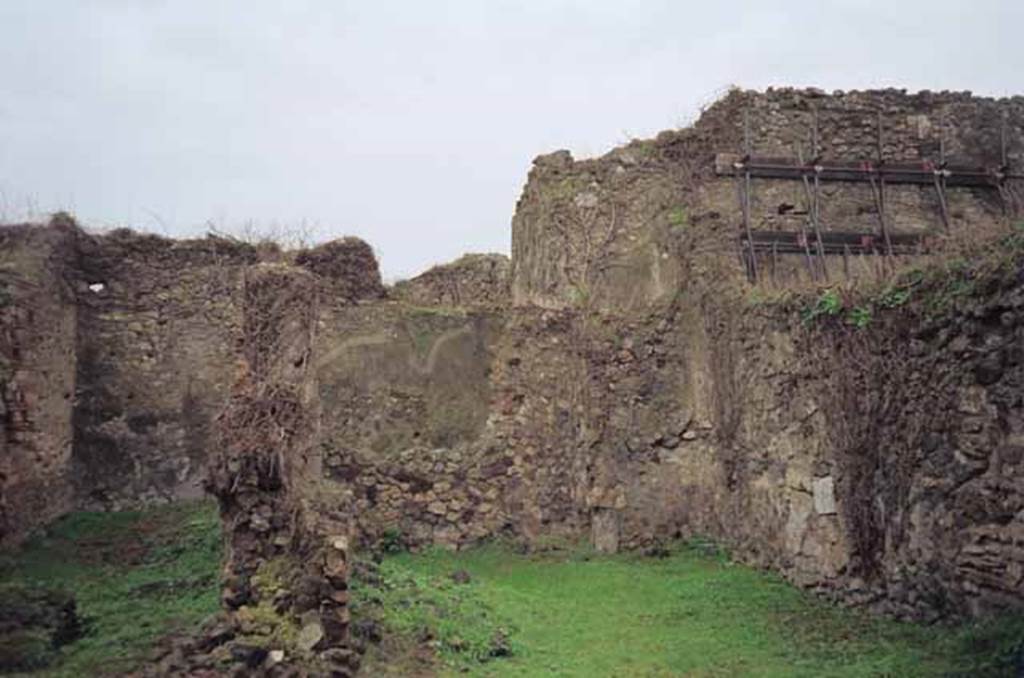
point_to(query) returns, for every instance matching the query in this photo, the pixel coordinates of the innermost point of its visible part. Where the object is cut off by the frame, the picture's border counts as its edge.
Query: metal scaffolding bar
(843, 243)
(812, 212)
(747, 194)
(920, 173)
(940, 183)
(881, 191)
(877, 173)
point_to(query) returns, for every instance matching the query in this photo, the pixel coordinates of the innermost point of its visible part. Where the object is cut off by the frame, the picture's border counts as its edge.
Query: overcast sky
(413, 124)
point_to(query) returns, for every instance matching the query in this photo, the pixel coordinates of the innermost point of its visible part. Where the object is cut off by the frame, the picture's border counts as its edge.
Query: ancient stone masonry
(38, 325)
(121, 351)
(619, 230)
(286, 572)
(154, 350)
(619, 377)
(446, 426)
(470, 281)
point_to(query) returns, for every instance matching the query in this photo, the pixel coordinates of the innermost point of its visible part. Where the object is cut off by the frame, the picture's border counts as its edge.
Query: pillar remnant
(286, 567)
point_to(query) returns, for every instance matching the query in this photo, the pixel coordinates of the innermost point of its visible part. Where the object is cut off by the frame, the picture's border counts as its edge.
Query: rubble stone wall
(446, 426)
(38, 326)
(155, 360)
(286, 570)
(472, 280)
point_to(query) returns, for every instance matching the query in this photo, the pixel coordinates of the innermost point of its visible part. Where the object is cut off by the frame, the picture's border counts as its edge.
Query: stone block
(824, 495)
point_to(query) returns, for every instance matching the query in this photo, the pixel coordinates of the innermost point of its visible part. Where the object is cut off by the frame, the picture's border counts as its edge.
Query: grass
(136, 576)
(575, 614)
(565, 612)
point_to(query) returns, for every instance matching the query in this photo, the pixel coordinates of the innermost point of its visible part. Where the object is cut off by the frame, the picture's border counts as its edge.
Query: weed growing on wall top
(828, 304)
(859, 317)
(678, 219)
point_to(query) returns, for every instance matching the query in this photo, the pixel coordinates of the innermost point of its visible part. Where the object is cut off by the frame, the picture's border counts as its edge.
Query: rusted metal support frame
(836, 242)
(940, 191)
(808, 262)
(881, 193)
(895, 173)
(1005, 194)
(940, 184)
(813, 214)
(878, 195)
(747, 194)
(743, 245)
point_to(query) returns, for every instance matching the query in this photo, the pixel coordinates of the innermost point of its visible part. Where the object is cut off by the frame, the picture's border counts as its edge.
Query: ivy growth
(859, 316)
(828, 304)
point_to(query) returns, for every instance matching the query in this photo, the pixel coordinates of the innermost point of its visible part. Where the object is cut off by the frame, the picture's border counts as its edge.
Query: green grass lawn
(565, 612)
(571, 613)
(135, 577)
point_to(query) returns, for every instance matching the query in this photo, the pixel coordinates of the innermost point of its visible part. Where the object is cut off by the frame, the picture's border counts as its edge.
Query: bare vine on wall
(865, 390)
(265, 416)
(587, 258)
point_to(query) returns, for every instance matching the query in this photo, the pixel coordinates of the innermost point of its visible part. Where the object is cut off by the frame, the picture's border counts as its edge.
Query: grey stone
(311, 634)
(824, 495)
(670, 442)
(605, 526)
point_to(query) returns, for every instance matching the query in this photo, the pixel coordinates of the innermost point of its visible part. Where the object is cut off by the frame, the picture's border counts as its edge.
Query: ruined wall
(447, 426)
(38, 325)
(878, 465)
(626, 229)
(155, 360)
(119, 351)
(286, 569)
(708, 412)
(472, 280)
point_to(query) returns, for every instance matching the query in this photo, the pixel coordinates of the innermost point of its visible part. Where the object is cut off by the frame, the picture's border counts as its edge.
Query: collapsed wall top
(470, 280)
(347, 266)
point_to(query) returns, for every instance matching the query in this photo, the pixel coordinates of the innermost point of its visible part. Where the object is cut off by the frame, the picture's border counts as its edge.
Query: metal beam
(842, 243)
(920, 173)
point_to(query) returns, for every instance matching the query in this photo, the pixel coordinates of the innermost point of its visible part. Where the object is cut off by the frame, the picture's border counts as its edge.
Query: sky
(413, 124)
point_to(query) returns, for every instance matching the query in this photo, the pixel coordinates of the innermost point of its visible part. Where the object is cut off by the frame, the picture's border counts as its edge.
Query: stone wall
(286, 571)
(120, 351)
(878, 465)
(626, 229)
(157, 321)
(708, 412)
(448, 426)
(472, 280)
(38, 327)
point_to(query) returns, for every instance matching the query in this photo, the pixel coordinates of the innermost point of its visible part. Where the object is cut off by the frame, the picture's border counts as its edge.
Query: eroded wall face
(443, 426)
(879, 466)
(721, 418)
(155, 361)
(37, 377)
